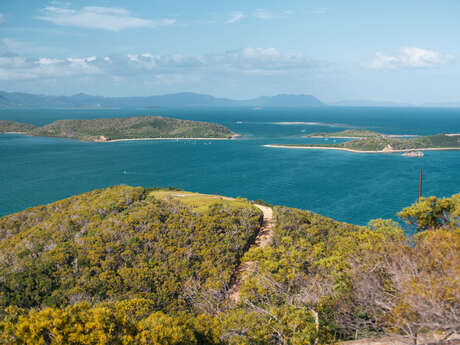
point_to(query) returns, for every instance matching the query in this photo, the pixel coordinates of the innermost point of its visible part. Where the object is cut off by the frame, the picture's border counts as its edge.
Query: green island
(133, 265)
(372, 142)
(125, 128)
(348, 133)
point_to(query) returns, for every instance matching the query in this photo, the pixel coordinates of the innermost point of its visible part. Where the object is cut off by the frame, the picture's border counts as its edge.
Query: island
(7, 126)
(365, 141)
(125, 128)
(346, 134)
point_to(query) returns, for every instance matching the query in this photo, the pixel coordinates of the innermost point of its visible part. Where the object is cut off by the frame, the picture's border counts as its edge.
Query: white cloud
(2, 18)
(95, 17)
(409, 57)
(21, 68)
(263, 14)
(48, 61)
(161, 68)
(235, 17)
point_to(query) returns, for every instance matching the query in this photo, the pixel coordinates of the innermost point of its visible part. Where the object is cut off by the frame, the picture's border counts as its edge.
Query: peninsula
(372, 142)
(126, 128)
(356, 134)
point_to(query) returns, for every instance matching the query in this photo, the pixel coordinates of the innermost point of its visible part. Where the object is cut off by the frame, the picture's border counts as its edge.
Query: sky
(401, 51)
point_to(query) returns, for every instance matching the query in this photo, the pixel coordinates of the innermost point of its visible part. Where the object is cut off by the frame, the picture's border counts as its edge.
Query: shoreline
(21, 133)
(343, 137)
(357, 151)
(234, 136)
(140, 139)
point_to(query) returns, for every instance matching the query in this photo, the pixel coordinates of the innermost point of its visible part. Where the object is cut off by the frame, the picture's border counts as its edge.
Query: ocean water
(346, 186)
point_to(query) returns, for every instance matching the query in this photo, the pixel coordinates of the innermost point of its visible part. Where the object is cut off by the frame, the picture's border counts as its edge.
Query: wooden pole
(420, 186)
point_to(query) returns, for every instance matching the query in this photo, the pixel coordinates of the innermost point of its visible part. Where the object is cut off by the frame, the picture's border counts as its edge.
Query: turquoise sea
(346, 186)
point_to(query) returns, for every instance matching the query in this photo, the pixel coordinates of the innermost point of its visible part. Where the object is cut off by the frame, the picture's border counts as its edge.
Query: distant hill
(7, 126)
(122, 128)
(348, 133)
(184, 99)
(286, 100)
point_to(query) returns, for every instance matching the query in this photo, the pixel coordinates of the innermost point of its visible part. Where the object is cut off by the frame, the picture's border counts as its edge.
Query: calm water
(346, 186)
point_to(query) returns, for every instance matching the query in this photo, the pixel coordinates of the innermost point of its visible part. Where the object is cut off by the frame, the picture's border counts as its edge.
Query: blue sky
(404, 51)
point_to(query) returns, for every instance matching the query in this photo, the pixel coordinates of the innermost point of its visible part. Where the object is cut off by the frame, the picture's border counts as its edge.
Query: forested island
(129, 265)
(372, 142)
(348, 133)
(124, 128)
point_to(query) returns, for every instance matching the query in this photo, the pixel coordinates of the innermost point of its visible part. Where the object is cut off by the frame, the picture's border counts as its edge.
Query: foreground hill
(129, 265)
(183, 99)
(119, 243)
(140, 127)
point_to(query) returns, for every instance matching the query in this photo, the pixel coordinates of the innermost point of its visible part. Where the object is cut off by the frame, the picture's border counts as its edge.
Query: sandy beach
(138, 139)
(343, 137)
(130, 139)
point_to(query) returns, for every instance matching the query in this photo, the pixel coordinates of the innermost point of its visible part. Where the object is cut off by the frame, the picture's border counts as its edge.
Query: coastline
(22, 133)
(344, 137)
(357, 151)
(234, 136)
(140, 139)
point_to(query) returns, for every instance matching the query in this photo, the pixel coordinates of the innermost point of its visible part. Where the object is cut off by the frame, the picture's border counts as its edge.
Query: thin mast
(420, 185)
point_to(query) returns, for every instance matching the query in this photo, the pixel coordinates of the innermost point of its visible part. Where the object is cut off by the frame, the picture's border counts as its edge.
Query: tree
(431, 212)
(412, 289)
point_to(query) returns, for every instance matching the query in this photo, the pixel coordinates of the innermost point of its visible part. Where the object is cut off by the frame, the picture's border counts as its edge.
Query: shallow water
(346, 186)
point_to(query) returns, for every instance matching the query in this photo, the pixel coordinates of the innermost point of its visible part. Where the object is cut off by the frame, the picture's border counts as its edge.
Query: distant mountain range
(185, 99)
(188, 99)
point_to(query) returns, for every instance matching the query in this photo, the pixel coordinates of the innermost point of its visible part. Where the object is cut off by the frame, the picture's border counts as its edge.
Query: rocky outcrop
(388, 148)
(413, 154)
(102, 139)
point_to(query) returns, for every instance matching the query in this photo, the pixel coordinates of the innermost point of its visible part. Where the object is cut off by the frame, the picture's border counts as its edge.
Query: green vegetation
(377, 144)
(133, 321)
(321, 281)
(120, 243)
(121, 128)
(130, 265)
(380, 143)
(201, 203)
(348, 133)
(132, 128)
(7, 126)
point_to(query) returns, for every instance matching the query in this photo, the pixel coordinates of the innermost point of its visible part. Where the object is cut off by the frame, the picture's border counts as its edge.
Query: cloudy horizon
(334, 51)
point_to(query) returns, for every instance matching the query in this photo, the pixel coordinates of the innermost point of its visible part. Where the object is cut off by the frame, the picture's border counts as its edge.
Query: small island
(346, 134)
(125, 128)
(365, 141)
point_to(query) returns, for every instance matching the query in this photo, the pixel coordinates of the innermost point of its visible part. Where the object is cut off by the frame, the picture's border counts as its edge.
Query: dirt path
(263, 239)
